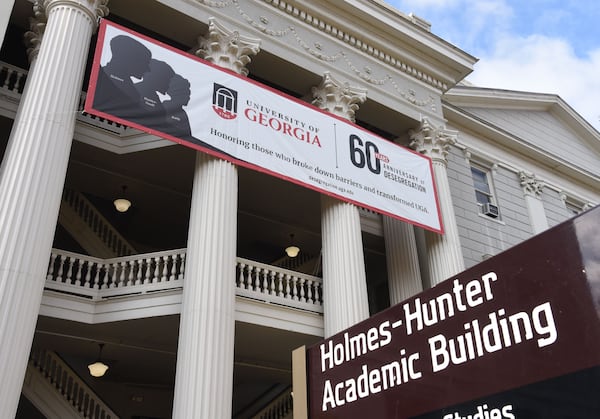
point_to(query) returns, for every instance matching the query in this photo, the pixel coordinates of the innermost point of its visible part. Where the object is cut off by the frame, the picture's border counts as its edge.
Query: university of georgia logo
(224, 101)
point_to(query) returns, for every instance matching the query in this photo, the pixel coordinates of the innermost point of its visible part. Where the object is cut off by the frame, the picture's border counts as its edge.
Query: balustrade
(97, 279)
(101, 227)
(70, 385)
(12, 79)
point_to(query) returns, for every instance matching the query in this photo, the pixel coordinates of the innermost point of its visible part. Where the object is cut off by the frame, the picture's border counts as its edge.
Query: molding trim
(316, 50)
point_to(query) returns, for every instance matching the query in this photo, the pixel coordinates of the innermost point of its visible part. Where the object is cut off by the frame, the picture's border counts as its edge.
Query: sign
(139, 82)
(517, 336)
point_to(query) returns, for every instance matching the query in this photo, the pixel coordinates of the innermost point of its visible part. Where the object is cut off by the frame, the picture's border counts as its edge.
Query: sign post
(516, 336)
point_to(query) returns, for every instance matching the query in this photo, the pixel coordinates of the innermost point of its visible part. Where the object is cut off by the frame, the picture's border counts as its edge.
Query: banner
(139, 82)
(516, 336)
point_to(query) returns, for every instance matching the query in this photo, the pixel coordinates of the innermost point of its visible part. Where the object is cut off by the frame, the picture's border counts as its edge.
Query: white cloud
(508, 38)
(546, 65)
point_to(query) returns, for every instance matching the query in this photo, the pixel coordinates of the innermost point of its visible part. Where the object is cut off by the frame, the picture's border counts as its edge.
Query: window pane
(480, 180)
(482, 198)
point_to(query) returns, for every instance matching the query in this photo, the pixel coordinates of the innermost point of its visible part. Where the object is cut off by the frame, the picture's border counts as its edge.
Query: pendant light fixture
(292, 250)
(98, 368)
(122, 204)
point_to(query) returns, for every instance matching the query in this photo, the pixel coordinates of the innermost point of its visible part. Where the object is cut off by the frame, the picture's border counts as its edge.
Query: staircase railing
(281, 407)
(98, 279)
(70, 385)
(99, 225)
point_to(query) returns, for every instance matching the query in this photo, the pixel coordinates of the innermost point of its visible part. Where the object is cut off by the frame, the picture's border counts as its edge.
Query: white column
(204, 376)
(532, 190)
(402, 259)
(345, 298)
(444, 252)
(5, 11)
(32, 179)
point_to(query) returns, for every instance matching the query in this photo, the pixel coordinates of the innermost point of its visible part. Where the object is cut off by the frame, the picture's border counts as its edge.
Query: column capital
(227, 48)
(37, 25)
(95, 9)
(338, 98)
(531, 185)
(432, 141)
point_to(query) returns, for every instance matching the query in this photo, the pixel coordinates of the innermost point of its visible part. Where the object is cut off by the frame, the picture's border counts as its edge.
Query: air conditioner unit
(490, 210)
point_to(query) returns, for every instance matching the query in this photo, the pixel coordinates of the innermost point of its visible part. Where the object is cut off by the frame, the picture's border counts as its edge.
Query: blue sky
(546, 46)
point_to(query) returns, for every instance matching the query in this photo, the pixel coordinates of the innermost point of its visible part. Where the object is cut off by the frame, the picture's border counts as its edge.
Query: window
(484, 194)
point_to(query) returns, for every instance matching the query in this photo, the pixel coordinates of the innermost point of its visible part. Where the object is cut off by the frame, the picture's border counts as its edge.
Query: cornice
(426, 56)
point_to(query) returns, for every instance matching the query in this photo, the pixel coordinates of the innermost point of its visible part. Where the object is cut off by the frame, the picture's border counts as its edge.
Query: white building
(190, 291)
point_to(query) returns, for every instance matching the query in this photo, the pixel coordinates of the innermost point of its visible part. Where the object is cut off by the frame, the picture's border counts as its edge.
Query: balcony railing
(100, 279)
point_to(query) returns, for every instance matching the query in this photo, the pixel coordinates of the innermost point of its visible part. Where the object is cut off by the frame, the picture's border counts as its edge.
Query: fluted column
(5, 10)
(402, 260)
(204, 376)
(532, 191)
(32, 179)
(444, 253)
(344, 278)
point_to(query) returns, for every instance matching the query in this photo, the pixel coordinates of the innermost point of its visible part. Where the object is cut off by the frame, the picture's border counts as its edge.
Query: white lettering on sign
(482, 336)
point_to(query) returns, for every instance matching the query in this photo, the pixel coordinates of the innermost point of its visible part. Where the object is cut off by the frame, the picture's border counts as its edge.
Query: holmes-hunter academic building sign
(517, 336)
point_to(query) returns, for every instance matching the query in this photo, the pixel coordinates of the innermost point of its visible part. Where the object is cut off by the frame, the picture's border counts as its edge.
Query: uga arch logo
(224, 101)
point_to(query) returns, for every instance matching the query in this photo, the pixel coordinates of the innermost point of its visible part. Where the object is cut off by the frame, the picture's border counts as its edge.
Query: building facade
(189, 296)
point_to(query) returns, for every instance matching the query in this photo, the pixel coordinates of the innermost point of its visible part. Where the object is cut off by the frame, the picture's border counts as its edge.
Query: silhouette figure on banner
(177, 122)
(115, 91)
(140, 103)
(151, 112)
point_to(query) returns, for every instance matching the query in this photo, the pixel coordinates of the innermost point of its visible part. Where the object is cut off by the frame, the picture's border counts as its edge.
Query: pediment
(542, 126)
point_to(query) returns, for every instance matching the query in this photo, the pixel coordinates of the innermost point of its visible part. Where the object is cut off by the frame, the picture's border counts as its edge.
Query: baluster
(272, 290)
(294, 287)
(18, 86)
(156, 276)
(51, 267)
(78, 274)
(240, 272)
(76, 396)
(52, 370)
(140, 271)
(165, 269)
(131, 275)
(309, 285)
(265, 284)
(173, 267)
(69, 277)
(287, 286)
(279, 284)
(5, 84)
(319, 293)
(61, 266)
(244, 278)
(96, 283)
(60, 376)
(87, 405)
(115, 277)
(147, 273)
(69, 389)
(302, 294)
(182, 269)
(255, 278)
(88, 274)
